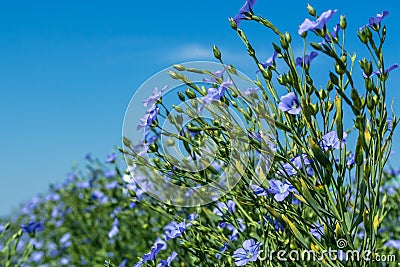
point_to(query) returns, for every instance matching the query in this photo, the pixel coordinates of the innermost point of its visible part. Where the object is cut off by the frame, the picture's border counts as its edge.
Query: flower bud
(281, 80)
(233, 24)
(329, 86)
(170, 142)
(311, 10)
(232, 69)
(322, 94)
(356, 98)
(359, 152)
(334, 79)
(316, 46)
(284, 42)
(179, 67)
(362, 36)
(153, 148)
(276, 48)
(288, 37)
(338, 69)
(190, 93)
(178, 108)
(181, 97)
(179, 119)
(217, 53)
(234, 103)
(194, 103)
(267, 74)
(339, 117)
(343, 22)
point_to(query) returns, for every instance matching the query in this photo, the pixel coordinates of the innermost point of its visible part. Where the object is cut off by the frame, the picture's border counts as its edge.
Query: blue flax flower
(317, 230)
(248, 252)
(110, 173)
(375, 21)
(149, 117)
(351, 160)
(331, 141)
(275, 223)
(215, 94)
(111, 158)
(279, 190)
(222, 250)
(306, 60)
(270, 60)
(33, 227)
(393, 243)
(223, 208)
(379, 72)
(155, 97)
(290, 104)
(174, 229)
(246, 8)
(297, 162)
(155, 249)
(114, 230)
(166, 263)
(258, 190)
(251, 91)
(318, 24)
(212, 79)
(334, 34)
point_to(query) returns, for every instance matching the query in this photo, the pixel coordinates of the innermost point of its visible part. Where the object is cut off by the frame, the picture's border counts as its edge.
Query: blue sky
(69, 68)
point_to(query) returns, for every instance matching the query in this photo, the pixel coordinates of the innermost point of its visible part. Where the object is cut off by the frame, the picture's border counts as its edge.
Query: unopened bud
(190, 93)
(343, 22)
(177, 108)
(316, 46)
(233, 24)
(179, 67)
(311, 10)
(217, 53)
(181, 96)
(284, 43)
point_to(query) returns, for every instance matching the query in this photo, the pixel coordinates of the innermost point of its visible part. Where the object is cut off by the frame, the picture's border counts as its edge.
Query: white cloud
(190, 52)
